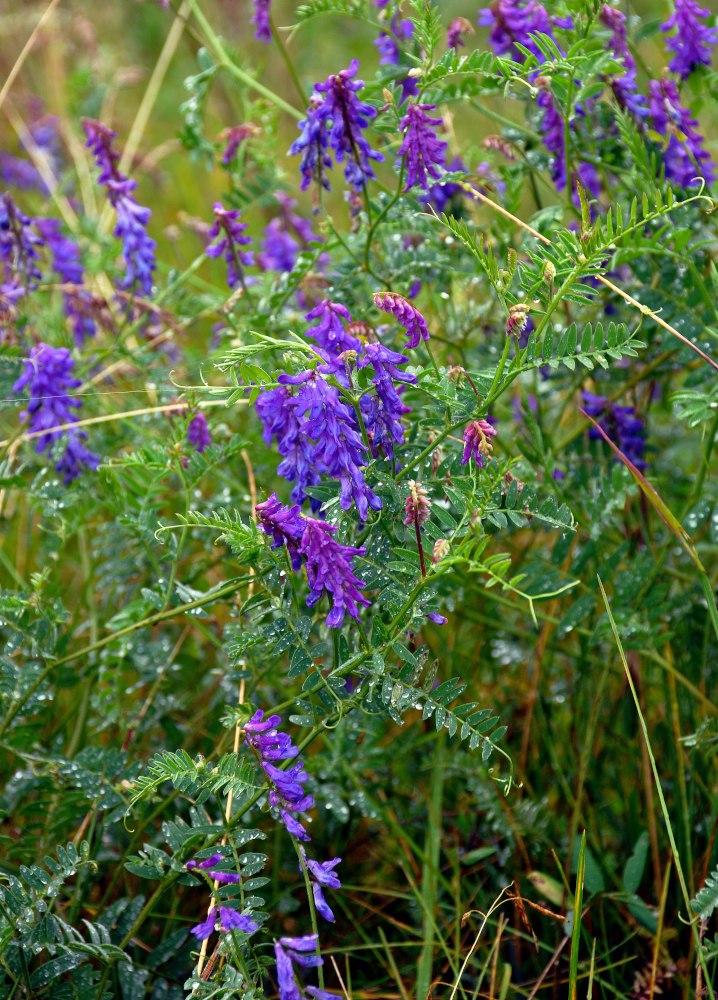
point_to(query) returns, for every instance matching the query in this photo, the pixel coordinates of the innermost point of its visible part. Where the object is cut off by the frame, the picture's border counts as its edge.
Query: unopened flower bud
(441, 548)
(416, 72)
(549, 272)
(518, 318)
(417, 504)
(456, 374)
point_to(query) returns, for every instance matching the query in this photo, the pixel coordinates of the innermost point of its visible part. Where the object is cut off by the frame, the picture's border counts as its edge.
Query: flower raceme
(476, 441)
(228, 236)
(67, 264)
(260, 18)
(335, 120)
(692, 42)
(406, 313)
(424, 154)
(328, 562)
(48, 376)
(229, 918)
(685, 156)
(138, 249)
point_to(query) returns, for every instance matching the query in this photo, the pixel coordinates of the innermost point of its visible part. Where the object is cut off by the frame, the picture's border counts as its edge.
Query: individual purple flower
(285, 525)
(459, 27)
(204, 929)
(322, 874)
(208, 865)
(406, 314)
(209, 862)
(620, 423)
(19, 244)
(338, 448)
(436, 618)
(476, 441)
(693, 41)
(48, 375)
(198, 432)
(228, 235)
(138, 249)
(329, 332)
(423, 151)
(329, 568)
(67, 264)
(512, 22)
(338, 121)
(260, 17)
(685, 156)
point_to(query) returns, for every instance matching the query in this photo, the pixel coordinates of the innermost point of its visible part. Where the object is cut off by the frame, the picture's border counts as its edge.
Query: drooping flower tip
(476, 441)
(693, 41)
(233, 138)
(406, 314)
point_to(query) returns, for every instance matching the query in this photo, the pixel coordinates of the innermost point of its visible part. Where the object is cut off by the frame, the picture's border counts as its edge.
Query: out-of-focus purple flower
(476, 441)
(330, 332)
(512, 22)
(233, 138)
(389, 41)
(138, 249)
(67, 264)
(552, 126)
(424, 152)
(624, 86)
(48, 375)
(439, 195)
(260, 17)
(620, 423)
(406, 314)
(693, 41)
(329, 568)
(417, 504)
(685, 156)
(459, 27)
(16, 171)
(336, 122)
(285, 525)
(228, 235)
(198, 432)
(338, 448)
(232, 920)
(19, 244)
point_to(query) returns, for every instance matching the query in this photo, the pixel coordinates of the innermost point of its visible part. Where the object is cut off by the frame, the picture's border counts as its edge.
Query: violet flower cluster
(691, 41)
(198, 432)
(477, 443)
(67, 264)
(406, 314)
(48, 376)
(621, 424)
(624, 85)
(335, 120)
(328, 563)
(285, 236)
(19, 247)
(513, 22)
(138, 249)
(424, 153)
(685, 158)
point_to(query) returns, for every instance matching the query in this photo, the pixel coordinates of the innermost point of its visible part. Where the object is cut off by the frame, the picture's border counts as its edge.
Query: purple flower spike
(624, 86)
(383, 410)
(693, 41)
(407, 314)
(329, 332)
(138, 249)
(278, 414)
(285, 525)
(67, 264)
(336, 121)
(48, 376)
(424, 153)
(685, 158)
(198, 432)
(329, 567)
(228, 235)
(620, 423)
(18, 244)
(261, 19)
(553, 136)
